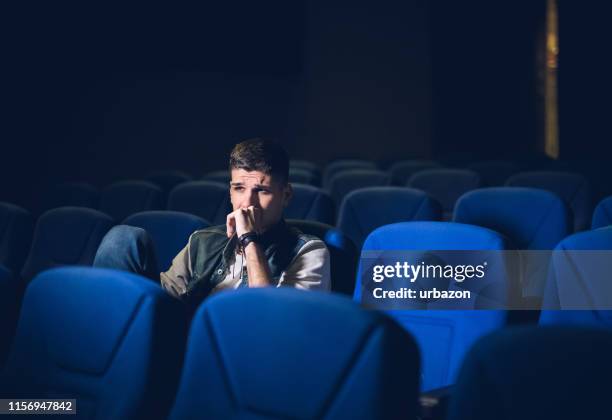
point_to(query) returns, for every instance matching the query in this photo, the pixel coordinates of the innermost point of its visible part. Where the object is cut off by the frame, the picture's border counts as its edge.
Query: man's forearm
(257, 266)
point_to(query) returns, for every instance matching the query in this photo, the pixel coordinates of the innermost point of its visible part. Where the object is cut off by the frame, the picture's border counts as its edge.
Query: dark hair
(261, 155)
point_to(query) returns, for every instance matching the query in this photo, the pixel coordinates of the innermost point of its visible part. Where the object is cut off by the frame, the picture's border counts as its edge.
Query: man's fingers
(230, 225)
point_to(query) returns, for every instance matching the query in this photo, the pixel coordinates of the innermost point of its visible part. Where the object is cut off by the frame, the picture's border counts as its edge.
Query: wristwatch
(247, 238)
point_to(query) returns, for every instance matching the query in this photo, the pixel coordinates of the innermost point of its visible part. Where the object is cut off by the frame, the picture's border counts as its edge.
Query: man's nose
(251, 198)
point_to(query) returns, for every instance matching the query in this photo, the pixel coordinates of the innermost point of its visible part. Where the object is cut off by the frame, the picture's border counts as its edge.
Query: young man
(255, 248)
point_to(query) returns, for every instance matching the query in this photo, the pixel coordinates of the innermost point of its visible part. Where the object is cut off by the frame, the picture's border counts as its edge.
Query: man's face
(261, 191)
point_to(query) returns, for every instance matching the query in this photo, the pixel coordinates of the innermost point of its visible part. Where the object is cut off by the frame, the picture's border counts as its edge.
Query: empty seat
(579, 278)
(494, 173)
(346, 181)
(71, 194)
(531, 219)
(305, 164)
(602, 216)
(445, 185)
(571, 187)
(403, 170)
(343, 253)
(310, 203)
(16, 229)
(65, 236)
(167, 180)
(342, 165)
(110, 339)
(222, 177)
(536, 373)
(286, 353)
(369, 208)
(169, 231)
(206, 199)
(304, 176)
(444, 336)
(124, 198)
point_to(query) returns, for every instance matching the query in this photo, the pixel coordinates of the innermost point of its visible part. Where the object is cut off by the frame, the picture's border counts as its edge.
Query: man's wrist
(247, 238)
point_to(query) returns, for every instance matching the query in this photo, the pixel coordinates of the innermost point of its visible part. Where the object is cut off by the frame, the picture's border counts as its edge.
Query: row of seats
(124, 349)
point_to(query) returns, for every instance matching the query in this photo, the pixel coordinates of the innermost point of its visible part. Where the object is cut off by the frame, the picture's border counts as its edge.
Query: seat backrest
(16, 229)
(71, 194)
(579, 278)
(310, 203)
(124, 198)
(445, 185)
(206, 199)
(535, 373)
(532, 219)
(602, 216)
(305, 164)
(169, 230)
(65, 236)
(304, 176)
(9, 307)
(342, 165)
(444, 336)
(494, 173)
(263, 353)
(573, 188)
(366, 209)
(222, 177)
(112, 340)
(343, 253)
(402, 171)
(341, 184)
(166, 180)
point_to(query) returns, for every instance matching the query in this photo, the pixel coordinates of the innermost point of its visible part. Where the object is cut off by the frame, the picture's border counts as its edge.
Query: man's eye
(238, 188)
(264, 192)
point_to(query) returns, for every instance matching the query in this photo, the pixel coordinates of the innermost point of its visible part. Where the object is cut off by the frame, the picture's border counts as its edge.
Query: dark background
(100, 93)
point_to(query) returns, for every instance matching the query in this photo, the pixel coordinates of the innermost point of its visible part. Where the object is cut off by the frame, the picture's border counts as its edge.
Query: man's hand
(243, 220)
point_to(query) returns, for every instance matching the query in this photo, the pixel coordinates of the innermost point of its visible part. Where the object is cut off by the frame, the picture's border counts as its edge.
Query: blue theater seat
(369, 208)
(206, 199)
(110, 339)
(310, 203)
(222, 177)
(9, 307)
(573, 188)
(306, 165)
(494, 173)
(343, 165)
(285, 353)
(169, 231)
(343, 253)
(602, 216)
(16, 229)
(530, 218)
(166, 180)
(444, 336)
(71, 194)
(445, 185)
(579, 275)
(65, 236)
(403, 170)
(304, 176)
(536, 373)
(124, 198)
(341, 184)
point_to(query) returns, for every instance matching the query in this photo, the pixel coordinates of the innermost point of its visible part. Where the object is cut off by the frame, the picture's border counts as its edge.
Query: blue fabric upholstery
(341, 184)
(169, 230)
(536, 373)
(167, 180)
(310, 203)
(206, 199)
(573, 188)
(343, 253)
(494, 172)
(367, 209)
(222, 177)
(71, 194)
(444, 337)
(9, 307)
(602, 216)
(581, 275)
(445, 185)
(124, 198)
(286, 353)
(342, 165)
(530, 218)
(305, 164)
(304, 176)
(110, 339)
(403, 170)
(16, 229)
(65, 236)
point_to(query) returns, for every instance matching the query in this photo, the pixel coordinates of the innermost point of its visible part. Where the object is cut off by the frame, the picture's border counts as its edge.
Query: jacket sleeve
(175, 280)
(310, 269)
